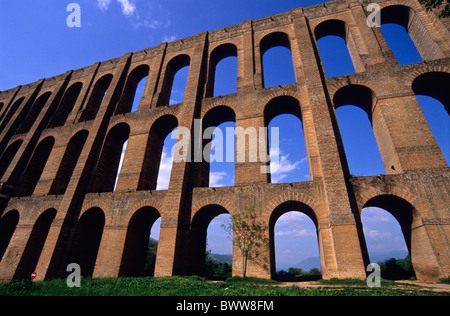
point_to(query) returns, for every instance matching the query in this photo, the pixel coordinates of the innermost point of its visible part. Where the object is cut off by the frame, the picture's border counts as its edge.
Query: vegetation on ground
(197, 286)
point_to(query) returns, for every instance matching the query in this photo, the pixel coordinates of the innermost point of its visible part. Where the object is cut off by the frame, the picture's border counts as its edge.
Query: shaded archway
(86, 241)
(34, 169)
(9, 113)
(130, 99)
(68, 163)
(96, 98)
(35, 244)
(159, 131)
(198, 237)
(107, 169)
(66, 105)
(136, 250)
(280, 210)
(33, 113)
(8, 224)
(8, 156)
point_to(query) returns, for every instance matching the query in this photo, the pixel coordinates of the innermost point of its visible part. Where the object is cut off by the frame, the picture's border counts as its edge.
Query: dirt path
(403, 285)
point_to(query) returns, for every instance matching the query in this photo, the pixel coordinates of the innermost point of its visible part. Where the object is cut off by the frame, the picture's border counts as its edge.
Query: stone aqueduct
(61, 141)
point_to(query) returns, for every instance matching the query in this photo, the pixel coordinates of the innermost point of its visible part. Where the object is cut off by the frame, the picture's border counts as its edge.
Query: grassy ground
(196, 286)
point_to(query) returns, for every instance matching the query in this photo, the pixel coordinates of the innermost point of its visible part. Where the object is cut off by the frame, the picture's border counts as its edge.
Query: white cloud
(165, 168)
(284, 166)
(375, 215)
(128, 6)
(375, 234)
(103, 4)
(295, 233)
(169, 38)
(215, 179)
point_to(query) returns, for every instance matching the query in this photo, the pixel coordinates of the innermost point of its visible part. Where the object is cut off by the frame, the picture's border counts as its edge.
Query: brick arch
(226, 204)
(416, 203)
(409, 77)
(220, 102)
(172, 111)
(287, 197)
(411, 4)
(260, 36)
(335, 86)
(334, 22)
(35, 215)
(356, 94)
(418, 23)
(277, 92)
(141, 204)
(101, 205)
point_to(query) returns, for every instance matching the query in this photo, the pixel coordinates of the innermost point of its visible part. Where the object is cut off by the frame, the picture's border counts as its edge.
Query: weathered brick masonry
(61, 140)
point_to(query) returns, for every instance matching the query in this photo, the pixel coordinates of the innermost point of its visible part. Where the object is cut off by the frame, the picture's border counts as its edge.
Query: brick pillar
(57, 248)
(339, 243)
(366, 42)
(14, 252)
(174, 234)
(405, 138)
(110, 252)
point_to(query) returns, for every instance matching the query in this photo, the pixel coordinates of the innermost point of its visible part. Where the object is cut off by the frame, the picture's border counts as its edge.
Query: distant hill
(314, 262)
(221, 258)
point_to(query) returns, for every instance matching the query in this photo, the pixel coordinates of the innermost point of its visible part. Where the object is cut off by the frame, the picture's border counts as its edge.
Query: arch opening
(293, 236)
(358, 130)
(388, 229)
(331, 37)
(407, 36)
(433, 97)
(175, 81)
(35, 245)
(66, 105)
(8, 156)
(107, 169)
(288, 158)
(68, 163)
(33, 113)
(139, 254)
(134, 90)
(158, 159)
(207, 234)
(95, 101)
(277, 63)
(8, 224)
(86, 241)
(223, 71)
(219, 143)
(33, 171)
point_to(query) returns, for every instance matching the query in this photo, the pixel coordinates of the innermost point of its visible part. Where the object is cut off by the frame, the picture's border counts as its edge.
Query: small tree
(248, 235)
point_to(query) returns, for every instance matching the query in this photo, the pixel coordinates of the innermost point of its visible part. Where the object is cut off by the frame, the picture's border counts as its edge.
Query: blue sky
(36, 43)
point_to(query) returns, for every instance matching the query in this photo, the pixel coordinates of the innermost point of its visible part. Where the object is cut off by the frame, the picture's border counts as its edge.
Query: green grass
(190, 286)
